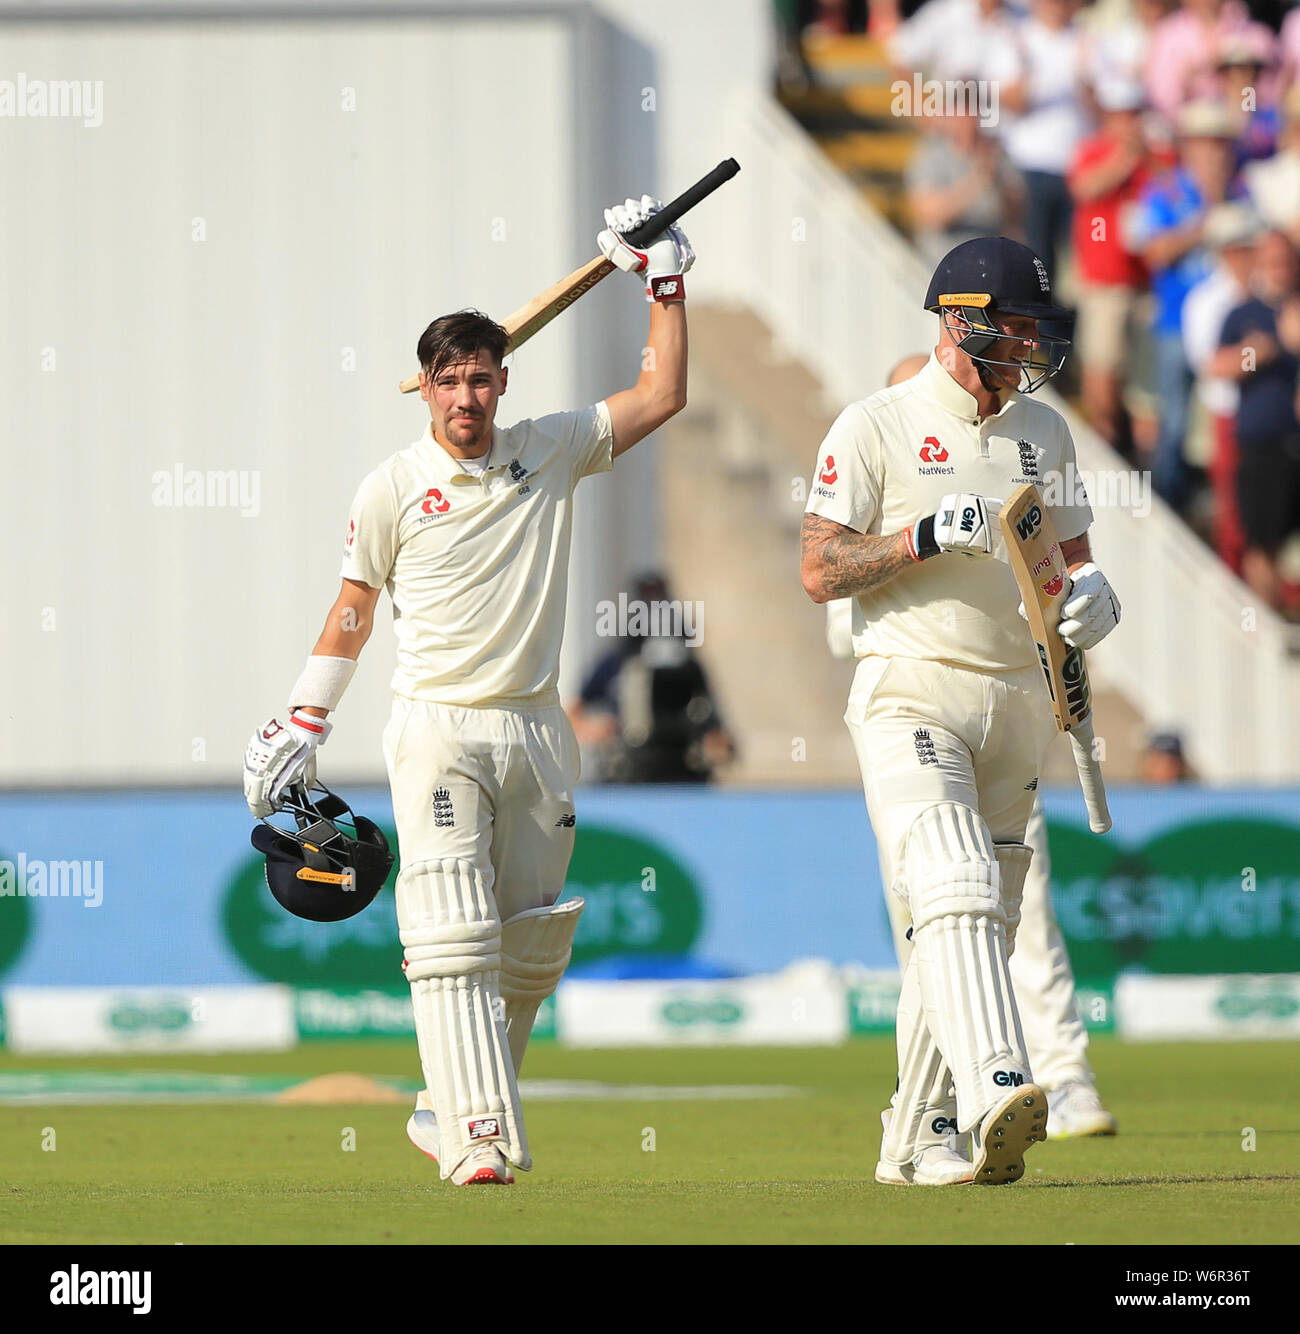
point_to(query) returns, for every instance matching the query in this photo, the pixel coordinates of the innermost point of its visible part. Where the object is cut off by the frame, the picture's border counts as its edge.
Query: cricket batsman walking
(469, 530)
(1055, 1035)
(949, 713)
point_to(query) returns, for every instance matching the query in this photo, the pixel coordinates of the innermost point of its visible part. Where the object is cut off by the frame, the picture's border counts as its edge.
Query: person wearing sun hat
(1169, 228)
(1248, 85)
(1231, 231)
(1108, 172)
(1274, 184)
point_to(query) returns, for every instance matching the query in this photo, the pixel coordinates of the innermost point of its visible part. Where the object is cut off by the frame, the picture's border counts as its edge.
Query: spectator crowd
(1149, 152)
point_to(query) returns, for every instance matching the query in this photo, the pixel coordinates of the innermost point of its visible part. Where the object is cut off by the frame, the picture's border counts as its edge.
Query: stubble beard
(467, 434)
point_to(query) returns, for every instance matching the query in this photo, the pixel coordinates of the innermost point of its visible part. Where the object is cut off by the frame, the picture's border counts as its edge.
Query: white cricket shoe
(422, 1126)
(422, 1131)
(1010, 1128)
(483, 1165)
(1076, 1110)
(935, 1165)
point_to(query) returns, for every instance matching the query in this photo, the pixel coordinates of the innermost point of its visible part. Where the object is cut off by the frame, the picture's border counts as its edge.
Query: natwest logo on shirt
(935, 456)
(352, 534)
(435, 502)
(828, 473)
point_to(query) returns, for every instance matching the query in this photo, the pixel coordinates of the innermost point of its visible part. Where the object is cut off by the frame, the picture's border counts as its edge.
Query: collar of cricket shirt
(451, 469)
(942, 389)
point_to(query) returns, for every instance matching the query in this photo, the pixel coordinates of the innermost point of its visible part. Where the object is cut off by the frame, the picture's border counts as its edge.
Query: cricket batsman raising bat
(949, 713)
(468, 529)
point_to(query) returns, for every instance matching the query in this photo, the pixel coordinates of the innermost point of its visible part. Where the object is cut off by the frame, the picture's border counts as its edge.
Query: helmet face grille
(1045, 358)
(319, 871)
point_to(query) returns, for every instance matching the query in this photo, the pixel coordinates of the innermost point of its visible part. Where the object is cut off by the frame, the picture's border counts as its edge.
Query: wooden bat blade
(543, 308)
(1043, 579)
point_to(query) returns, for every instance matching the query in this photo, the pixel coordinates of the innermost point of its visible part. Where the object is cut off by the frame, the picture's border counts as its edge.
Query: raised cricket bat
(1043, 578)
(544, 307)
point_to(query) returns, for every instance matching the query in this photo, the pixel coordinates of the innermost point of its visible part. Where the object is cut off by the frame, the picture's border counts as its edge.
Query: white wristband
(322, 683)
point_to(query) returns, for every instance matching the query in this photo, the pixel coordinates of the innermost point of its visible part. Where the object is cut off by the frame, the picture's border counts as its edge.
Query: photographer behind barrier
(645, 713)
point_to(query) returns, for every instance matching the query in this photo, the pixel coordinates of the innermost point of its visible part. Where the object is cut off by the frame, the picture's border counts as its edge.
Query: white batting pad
(1013, 865)
(924, 1104)
(536, 947)
(448, 924)
(949, 865)
(959, 945)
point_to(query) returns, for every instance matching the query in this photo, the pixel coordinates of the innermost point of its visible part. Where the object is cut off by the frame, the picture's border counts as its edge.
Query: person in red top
(1108, 171)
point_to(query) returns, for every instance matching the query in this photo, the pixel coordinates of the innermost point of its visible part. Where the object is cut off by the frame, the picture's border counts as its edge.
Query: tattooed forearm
(839, 563)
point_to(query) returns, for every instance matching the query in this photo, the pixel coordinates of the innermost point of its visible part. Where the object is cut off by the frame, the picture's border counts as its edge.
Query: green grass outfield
(794, 1169)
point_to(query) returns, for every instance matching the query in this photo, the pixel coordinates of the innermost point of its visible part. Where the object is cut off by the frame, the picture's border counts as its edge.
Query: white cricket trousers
(491, 786)
(926, 733)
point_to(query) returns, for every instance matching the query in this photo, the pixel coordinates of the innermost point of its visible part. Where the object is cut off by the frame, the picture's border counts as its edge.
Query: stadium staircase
(846, 111)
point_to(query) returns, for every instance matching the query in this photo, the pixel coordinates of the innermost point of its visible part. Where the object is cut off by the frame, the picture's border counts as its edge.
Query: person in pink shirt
(1183, 56)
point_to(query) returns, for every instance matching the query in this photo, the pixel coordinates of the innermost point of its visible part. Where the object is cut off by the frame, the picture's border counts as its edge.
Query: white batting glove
(662, 263)
(961, 523)
(1091, 611)
(279, 756)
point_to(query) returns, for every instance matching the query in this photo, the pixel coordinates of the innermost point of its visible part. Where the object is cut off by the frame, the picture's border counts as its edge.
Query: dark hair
(452, 338)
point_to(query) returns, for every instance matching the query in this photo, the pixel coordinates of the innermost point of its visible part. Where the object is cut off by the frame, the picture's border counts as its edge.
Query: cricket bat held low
(1044, 580)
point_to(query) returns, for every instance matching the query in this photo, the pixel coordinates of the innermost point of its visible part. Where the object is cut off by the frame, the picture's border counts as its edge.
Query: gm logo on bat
(1075, 680)
(1030, 523)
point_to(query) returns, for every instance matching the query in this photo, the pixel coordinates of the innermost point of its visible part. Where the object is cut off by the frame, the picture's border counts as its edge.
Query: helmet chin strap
(988, 379)
(983, 339)
(992, 379)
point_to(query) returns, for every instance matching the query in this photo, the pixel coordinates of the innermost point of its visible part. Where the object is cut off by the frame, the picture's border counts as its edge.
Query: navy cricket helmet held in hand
(322, 870)
(993, 275)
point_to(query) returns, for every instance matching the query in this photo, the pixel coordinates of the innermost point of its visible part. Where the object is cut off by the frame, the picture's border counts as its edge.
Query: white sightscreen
(228, 276)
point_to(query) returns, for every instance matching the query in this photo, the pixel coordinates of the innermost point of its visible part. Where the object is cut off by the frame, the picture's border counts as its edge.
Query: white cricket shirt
(477, 566)
(889, 460)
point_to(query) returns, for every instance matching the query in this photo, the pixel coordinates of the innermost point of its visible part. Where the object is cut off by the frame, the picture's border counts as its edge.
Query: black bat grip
(671, 211)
